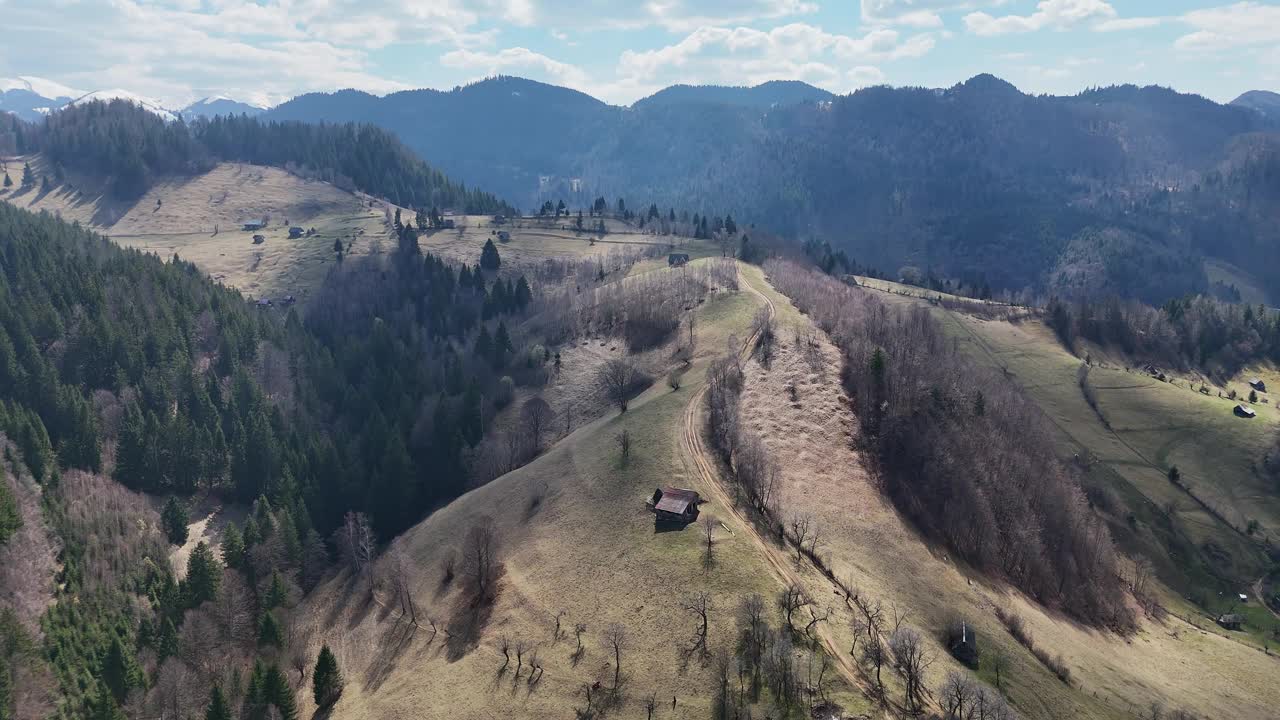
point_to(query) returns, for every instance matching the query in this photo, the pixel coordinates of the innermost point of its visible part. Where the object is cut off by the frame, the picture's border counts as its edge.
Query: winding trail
(779, 560)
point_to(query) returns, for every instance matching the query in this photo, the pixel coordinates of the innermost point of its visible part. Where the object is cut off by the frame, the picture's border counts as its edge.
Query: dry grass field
(576, 537)
(865, 540)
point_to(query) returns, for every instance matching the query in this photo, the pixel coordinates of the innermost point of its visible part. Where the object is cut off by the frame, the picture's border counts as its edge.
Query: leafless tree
(700, 605)
(616, 637)
(357, 541)
(617, 377)
(480, 561)
(800, 529)
(899, 616)
(623, 441)
(448, 568)
(708, 523)
(792, 598)
(911, 659)
(957, 696)
(580, 650)
(397, 569)
(504, 644)
(522, 647)
(556, 634)
(536, 415)
(814, 619)
(232, 610)
(650, 704)
(874, 654)
(673, 380)
(762, 328)
(999, 663)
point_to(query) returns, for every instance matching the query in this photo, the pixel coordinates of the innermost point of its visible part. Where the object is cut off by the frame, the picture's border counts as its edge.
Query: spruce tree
(269, 631)
(489, 258)
(119, 671)
(276, 593)
(278, 692)
(523, 294)
(175, 520)
(103, 706)
(326, 680)
(28, 177)
(168, 643)
(8, 181)
(218, 708)
(501, 346)
(232, 546)
(204, 575)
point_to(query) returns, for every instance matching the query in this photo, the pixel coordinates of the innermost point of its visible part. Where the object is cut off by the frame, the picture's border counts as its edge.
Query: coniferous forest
(149, 372)
(133, 148)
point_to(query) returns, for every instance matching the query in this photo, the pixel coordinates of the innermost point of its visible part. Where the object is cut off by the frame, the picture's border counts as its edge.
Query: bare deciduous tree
(957, 696)
(536, 415)
(480, 559)
(617, 377)
(397, 569)
(623, 441)
(700, 605)
(616, 637)
(708, 523)
(790, 599)
(911, 659)
(874, 654)
(357, 542)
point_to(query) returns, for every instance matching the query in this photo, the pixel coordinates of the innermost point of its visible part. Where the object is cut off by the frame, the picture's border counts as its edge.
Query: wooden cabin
(1231, 621)
(962, 641)
(1258, 385)
(675, 505)
(677, 259)
(295, 232)
(1245, 411)
(255, 225)
(259, 239)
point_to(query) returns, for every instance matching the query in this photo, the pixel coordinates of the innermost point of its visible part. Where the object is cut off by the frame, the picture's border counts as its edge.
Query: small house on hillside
(1231, 621)
(264, 302)
(253, 225)
(962, 641)
(677, 259)
(447, 224)
(1245, 411)
(504, 236)
(1258, 385)
(499, 219)
(259, 239)
(675, 505)
(295, 232)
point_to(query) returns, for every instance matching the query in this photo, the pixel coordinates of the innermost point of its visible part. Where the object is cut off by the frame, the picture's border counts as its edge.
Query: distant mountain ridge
(765, 95)
(214, 106)
(1263, 101)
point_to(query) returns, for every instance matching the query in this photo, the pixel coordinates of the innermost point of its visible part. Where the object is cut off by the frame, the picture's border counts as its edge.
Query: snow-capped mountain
(219, 105)
(117, 94)
(30, 98)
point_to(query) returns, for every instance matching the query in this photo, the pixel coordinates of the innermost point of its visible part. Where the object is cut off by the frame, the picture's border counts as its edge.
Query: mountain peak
(764, 95)
(1261, 101)
(988, 83)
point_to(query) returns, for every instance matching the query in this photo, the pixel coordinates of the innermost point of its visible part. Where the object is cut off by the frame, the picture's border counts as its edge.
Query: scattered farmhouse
(504, 236)
(447, 223)
(675, 505)
(253, 225)
(259, 239)
(1245, 411)
(1231, 621)
(499, 219)
(264, 302)
(1258, 385)
(677, 259)
(295, 232)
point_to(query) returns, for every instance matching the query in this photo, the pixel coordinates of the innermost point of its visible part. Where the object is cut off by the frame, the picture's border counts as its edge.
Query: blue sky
(268, 50)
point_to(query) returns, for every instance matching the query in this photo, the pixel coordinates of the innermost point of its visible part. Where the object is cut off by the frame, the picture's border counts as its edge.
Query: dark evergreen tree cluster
(132, 147)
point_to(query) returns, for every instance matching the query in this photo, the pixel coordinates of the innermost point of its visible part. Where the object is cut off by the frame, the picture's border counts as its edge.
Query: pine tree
(489, 258)
(484, 343)
(523, 294)
(28, 177)
(276, 593)
(167, 646)
(218, 708)
(232, 546)
(175, 520)
(326, 680)
(204, 575)
(278, 692)
(120, 672)
(269, 631)
(501, 346)
(103, 706)
(8, 181)
(252, 535)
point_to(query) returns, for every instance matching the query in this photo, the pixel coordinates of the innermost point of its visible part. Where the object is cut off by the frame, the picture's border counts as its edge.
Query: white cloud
(917, 13)
(680, 16)
(1055, 14)
(1231, 26)
(1123, 24)
(518, 59)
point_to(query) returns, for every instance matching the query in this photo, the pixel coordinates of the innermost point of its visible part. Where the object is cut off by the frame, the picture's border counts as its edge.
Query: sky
(265, 51)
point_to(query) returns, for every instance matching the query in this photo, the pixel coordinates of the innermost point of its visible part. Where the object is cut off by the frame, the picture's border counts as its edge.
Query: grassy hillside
(577, 538)
(1139, 427)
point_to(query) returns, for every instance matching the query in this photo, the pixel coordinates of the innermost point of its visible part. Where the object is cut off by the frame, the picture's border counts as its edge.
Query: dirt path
(779, 559)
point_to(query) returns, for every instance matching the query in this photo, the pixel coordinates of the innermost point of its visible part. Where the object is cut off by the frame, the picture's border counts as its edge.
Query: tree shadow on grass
(391, 646)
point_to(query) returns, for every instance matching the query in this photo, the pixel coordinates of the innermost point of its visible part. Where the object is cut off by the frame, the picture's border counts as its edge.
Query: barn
(962, 641)
(1258, 385)
(675, 505)
(1231, 621)
(259, 239)
(1245, 411)
(253, 225)
(677, 259)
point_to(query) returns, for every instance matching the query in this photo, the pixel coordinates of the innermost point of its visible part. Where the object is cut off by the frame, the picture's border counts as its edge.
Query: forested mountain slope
(978, 181)
(131, 148)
